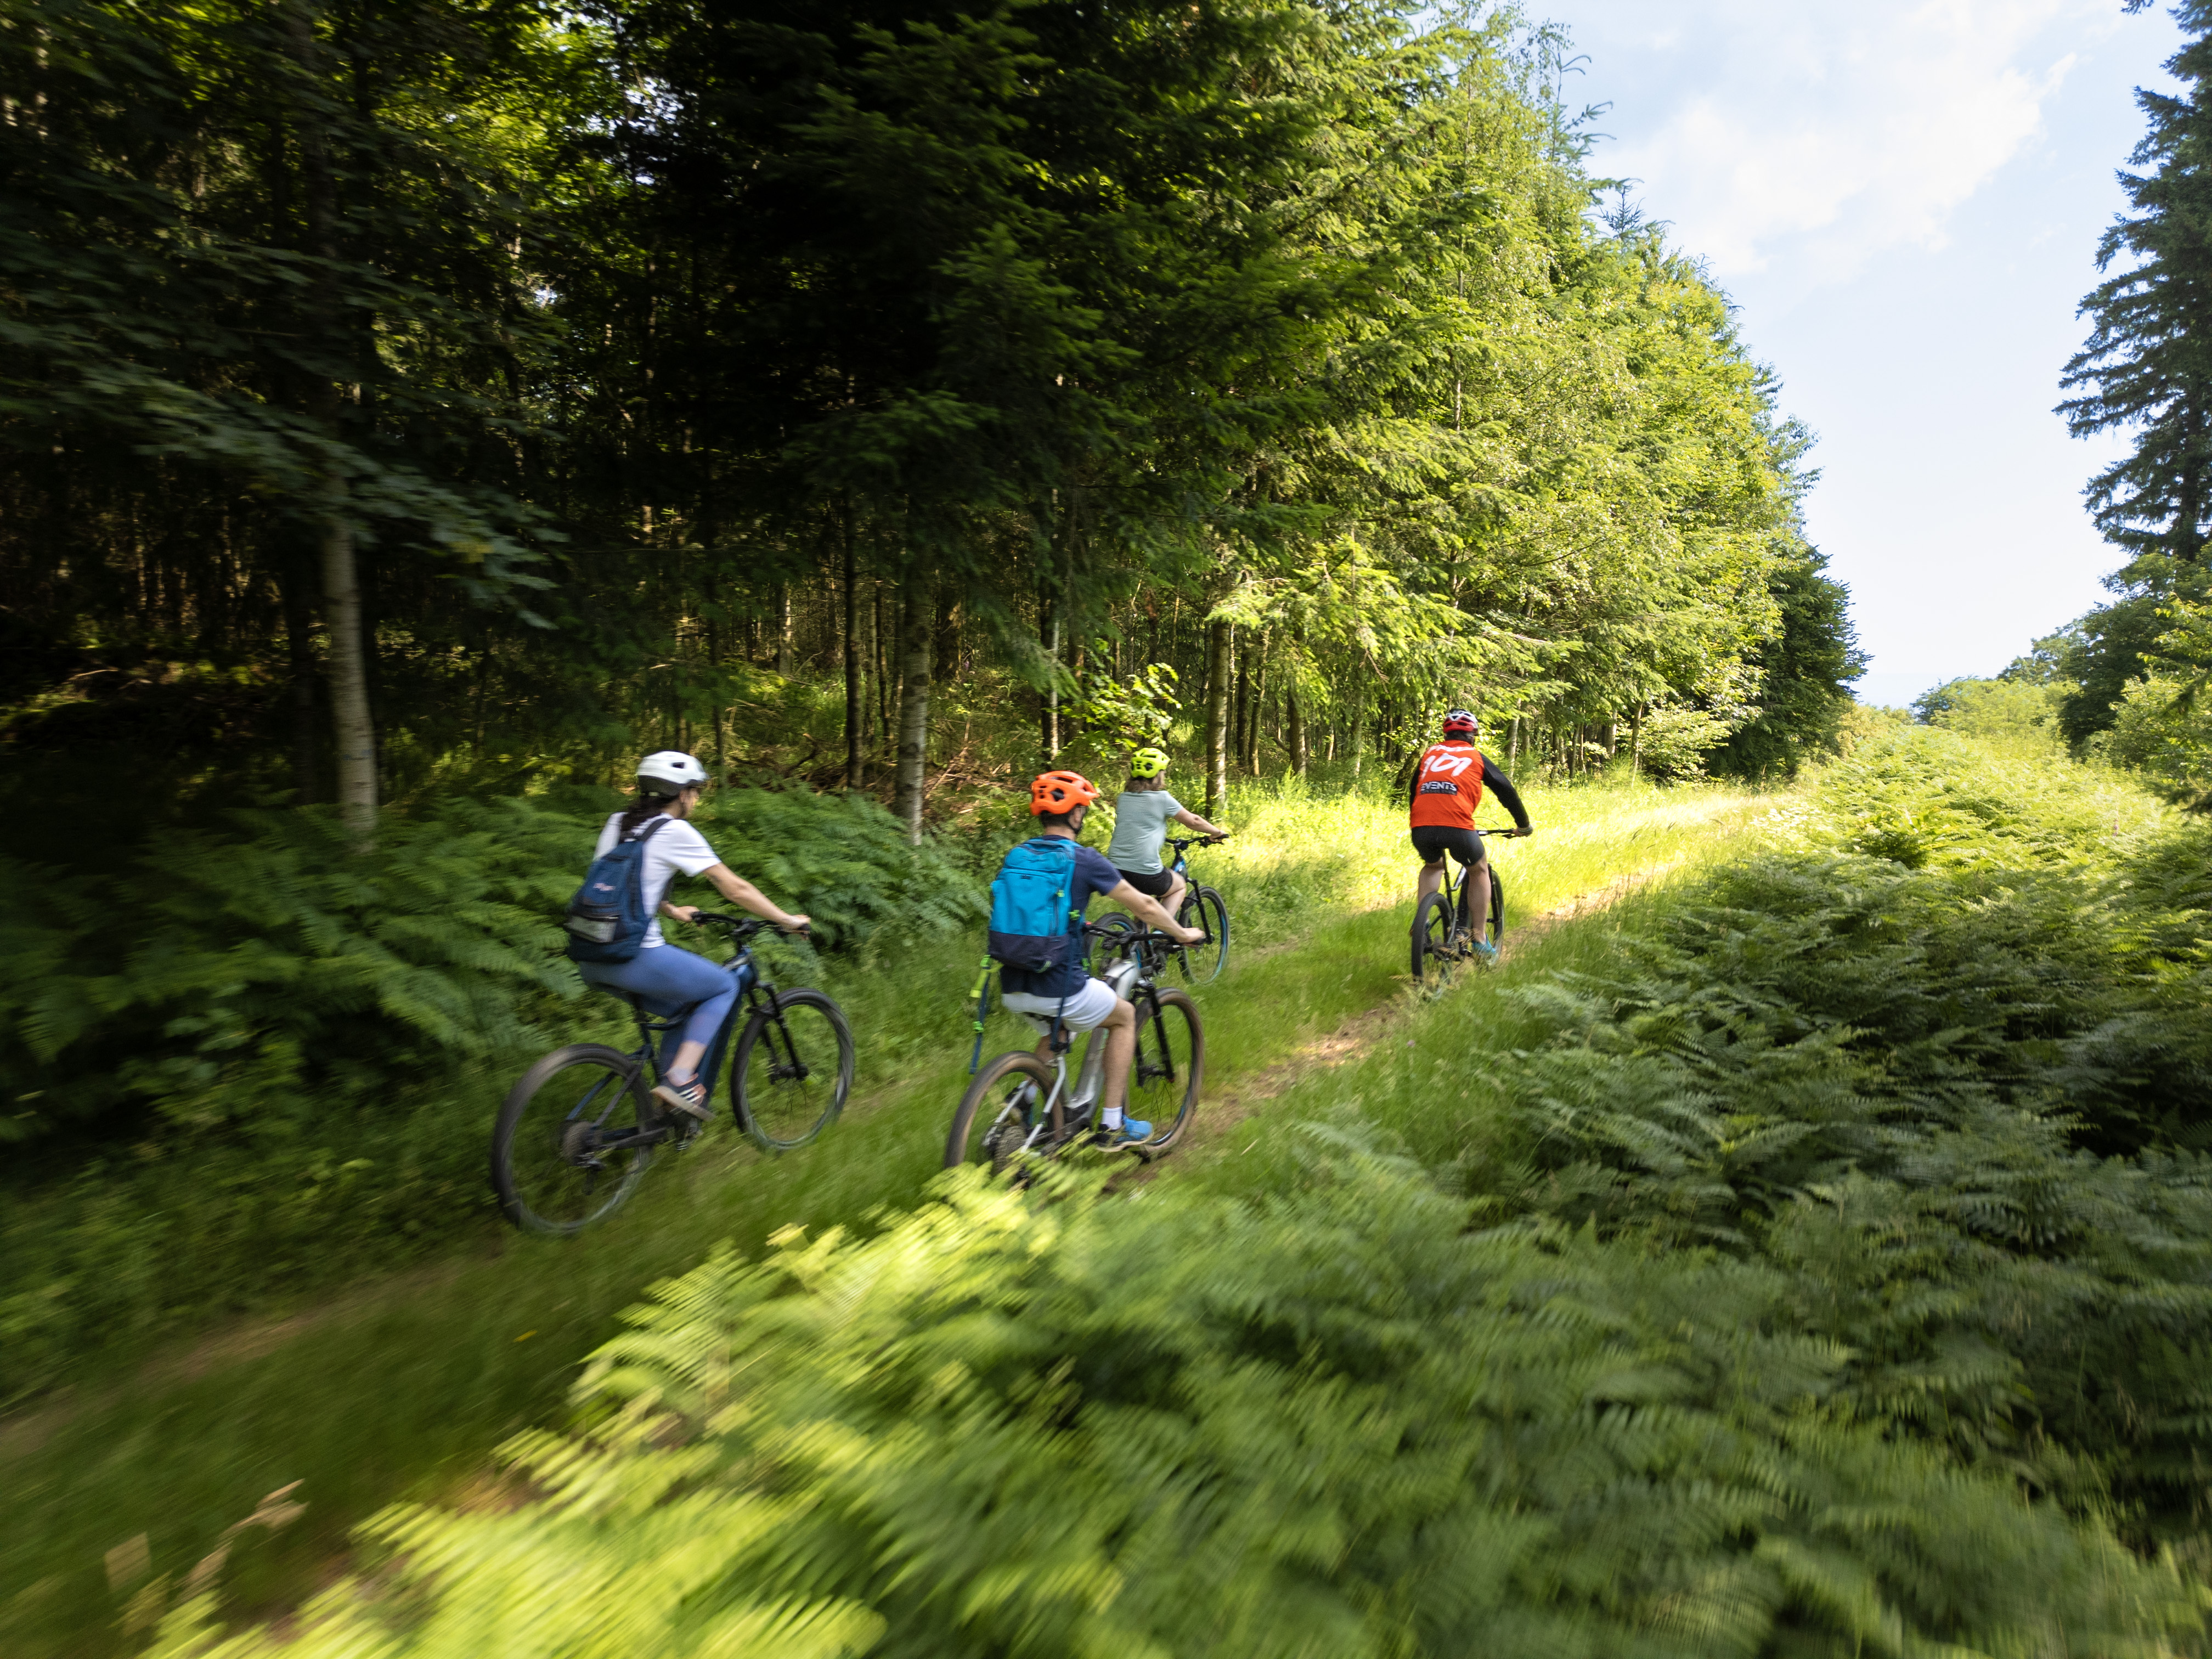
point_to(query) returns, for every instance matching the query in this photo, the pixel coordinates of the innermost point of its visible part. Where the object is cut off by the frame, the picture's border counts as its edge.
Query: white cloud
(1826, 130)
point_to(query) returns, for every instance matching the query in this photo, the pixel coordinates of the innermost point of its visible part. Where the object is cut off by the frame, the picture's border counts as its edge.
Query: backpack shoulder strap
(652, 830)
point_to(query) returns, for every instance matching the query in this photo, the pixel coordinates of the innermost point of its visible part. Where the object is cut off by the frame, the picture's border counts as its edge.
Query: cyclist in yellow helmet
(1141, 815)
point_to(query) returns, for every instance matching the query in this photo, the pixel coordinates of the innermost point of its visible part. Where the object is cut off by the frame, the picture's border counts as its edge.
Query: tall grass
(1734, 1273)
(381, 1390)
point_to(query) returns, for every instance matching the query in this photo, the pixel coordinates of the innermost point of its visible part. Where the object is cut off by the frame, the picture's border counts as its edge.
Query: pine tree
(2147, 362)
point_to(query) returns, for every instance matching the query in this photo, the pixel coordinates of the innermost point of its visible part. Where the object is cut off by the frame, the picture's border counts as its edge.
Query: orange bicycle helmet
(1060, 791)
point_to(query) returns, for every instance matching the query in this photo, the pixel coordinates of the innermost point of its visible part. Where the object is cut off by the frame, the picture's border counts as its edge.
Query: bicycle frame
(1065, 1109)
(757, 996)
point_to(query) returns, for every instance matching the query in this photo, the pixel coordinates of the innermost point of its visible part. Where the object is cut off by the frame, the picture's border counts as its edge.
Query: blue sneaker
(1133, 1129)
(1483, 950)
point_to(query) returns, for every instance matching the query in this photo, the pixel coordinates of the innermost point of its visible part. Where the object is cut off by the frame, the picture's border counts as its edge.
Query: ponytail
(649, 804)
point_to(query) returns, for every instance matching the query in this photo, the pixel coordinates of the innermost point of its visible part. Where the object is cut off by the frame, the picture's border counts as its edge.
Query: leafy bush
(1336, 1421)
(275, 1065)
(2011, 715)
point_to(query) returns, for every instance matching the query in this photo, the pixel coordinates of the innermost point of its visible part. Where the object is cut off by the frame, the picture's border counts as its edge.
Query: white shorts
(1085, 1008)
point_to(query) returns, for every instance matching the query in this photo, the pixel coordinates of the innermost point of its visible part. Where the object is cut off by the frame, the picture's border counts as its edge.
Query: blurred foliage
(275, 1065)
(1336, 1421)
(1830, 1272)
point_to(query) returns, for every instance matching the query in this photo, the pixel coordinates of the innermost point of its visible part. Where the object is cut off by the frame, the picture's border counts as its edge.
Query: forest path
(397, 1388)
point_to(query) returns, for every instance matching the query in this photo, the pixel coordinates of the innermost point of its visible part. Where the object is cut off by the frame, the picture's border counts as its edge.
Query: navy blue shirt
(1093, 876)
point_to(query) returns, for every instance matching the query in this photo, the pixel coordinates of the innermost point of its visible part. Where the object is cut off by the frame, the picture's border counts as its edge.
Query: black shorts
(1152, 883)
(1433, 841)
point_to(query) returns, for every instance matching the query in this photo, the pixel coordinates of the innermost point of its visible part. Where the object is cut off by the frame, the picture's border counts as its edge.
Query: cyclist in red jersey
(1447, 786)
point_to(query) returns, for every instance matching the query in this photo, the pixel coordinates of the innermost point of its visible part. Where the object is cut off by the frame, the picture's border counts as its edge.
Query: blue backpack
(1032, 922)
(607, 918)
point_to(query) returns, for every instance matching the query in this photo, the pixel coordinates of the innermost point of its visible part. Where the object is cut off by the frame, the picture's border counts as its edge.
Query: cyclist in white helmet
(667, 978)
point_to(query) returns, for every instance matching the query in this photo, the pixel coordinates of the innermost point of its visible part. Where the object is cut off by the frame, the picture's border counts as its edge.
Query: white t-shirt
(675, 845)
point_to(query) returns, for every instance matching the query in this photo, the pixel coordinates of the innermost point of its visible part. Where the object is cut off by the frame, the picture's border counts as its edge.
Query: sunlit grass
(399, 1388)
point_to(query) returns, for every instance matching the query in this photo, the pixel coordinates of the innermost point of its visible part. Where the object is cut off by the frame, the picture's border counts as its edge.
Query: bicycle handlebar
(745, 927)
(1181, 841)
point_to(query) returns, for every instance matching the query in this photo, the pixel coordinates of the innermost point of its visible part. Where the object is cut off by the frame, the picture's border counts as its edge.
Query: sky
(1904, 199)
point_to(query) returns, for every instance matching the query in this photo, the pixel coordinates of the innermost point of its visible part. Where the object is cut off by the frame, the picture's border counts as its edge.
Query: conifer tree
(2147, 362)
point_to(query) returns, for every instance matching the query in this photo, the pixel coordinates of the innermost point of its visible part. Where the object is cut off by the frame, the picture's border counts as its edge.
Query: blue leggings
(665, 979)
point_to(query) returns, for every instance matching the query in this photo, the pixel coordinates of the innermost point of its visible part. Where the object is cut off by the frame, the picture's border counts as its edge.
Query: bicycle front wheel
(1497, 908)
(1168, 1069)
(1201, 964)
(576, 1135)
(997, 1113)
(793, 1069)
(1432, 929)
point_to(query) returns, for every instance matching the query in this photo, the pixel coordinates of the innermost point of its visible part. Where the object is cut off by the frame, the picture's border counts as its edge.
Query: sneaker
(689, 1096)
(1482, 950)
(1130, 1131)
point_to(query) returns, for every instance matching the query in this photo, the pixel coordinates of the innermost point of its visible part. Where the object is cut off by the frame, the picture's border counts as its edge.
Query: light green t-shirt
(1140, 818)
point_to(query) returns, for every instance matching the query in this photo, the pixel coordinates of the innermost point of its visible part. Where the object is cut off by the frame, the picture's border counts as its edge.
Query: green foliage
(275, 1067)
(1805, 677)
(2008, 715)
(843, 860)
(1334, 1421)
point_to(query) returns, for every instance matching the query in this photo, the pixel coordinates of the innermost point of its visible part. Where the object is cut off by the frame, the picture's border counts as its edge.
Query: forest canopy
(407, 399)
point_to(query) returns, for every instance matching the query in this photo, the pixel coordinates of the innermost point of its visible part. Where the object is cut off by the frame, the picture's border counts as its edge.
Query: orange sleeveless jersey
(1448, 786)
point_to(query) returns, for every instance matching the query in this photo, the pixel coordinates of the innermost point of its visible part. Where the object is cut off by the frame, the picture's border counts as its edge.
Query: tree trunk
(341, 610)
(1218, 653)
(783, 627)
(300, 653)
(1635, 738)
(356, 732)
(916, 617)
(853, 734)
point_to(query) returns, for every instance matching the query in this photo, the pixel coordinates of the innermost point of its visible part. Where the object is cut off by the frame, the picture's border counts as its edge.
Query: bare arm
(1190, 820)
(743, 894)
(1147, 909)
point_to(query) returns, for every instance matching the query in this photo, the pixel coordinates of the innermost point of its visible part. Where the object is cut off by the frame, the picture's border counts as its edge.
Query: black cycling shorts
(1433, 841)
(1153, 884)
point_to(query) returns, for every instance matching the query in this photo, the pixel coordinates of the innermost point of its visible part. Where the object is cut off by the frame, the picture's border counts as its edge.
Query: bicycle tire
(1433, 931)
(1497, 908)
(543, 1169)
(1201, 964)
(970, 1139)
(778, 1109)
(1156, 1073)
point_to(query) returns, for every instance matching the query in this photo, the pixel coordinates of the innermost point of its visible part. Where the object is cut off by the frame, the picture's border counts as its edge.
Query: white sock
(1110, 1118)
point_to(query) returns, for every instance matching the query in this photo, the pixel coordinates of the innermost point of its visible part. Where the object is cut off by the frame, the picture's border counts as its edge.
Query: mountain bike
(1442, 933)
(1022, 1106)
(1202, 908)
(579, 1131)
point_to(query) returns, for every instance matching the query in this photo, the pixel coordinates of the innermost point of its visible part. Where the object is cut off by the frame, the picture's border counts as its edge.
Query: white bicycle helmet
(670, 772)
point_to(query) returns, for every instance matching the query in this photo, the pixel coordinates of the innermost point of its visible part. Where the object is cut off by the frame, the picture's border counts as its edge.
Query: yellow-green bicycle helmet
(1148, 762)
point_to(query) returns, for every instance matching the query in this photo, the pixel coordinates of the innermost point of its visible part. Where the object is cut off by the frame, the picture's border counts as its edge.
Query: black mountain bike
(579, 1131)
(1201, 909)
(1020, 1106)
(1441, 932)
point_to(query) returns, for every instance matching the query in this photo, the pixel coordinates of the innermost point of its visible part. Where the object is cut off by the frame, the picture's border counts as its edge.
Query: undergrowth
(1825, 1269)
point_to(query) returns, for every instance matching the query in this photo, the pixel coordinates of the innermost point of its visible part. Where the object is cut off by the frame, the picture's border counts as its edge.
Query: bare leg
(1477, 900)
(1120, 1030)
(1433, 877)
(686, 1063)
(1176, 888)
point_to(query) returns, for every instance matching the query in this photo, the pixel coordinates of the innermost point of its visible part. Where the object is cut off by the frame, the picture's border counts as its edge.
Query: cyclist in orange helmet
(1058, 801)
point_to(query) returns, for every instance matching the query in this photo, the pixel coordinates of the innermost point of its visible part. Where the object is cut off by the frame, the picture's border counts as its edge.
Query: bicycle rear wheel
(1201, 964)
(989, 1128)
(574, 1137)
(1168, 1069)
(1432, 929)
(793, 1069)
(1497, 930)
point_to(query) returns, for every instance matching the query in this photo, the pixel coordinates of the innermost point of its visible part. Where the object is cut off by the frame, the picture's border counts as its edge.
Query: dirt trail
(1223, 1110)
